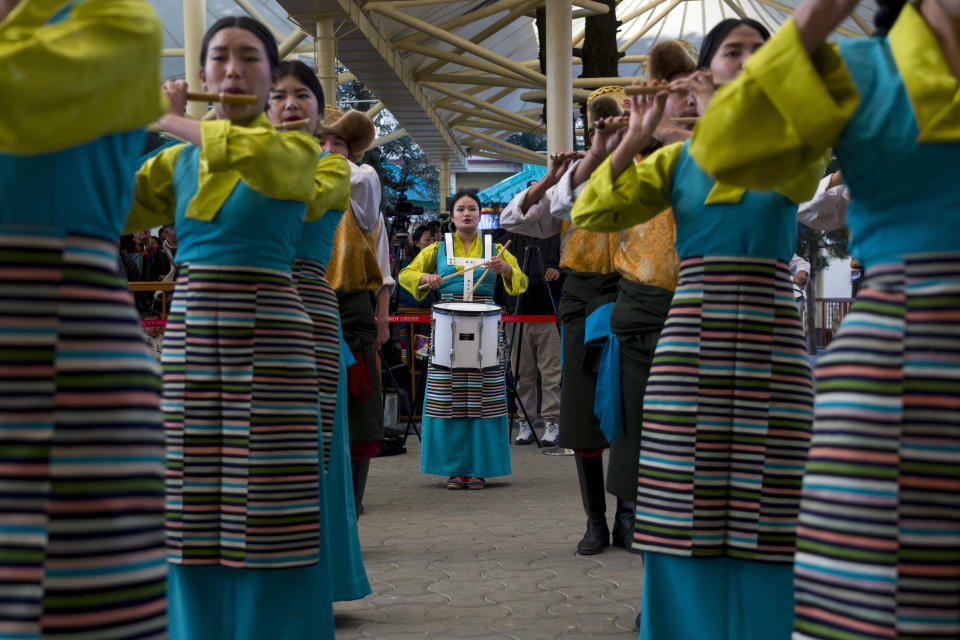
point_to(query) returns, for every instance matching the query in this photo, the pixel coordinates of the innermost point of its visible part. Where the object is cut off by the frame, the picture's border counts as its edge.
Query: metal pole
(327, 60)
(559, 76)
(194, 24)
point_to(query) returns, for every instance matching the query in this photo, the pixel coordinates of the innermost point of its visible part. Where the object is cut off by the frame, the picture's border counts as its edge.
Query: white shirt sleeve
(798, 264)
(562, 195)
(383, 254)
(827, 210)
(365, 193)
(536, 222)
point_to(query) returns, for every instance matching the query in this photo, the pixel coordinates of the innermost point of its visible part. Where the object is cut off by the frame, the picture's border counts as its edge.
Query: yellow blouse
(267, 161)
(426, 262)
(644, 190)
(761, 129)
(68, 82)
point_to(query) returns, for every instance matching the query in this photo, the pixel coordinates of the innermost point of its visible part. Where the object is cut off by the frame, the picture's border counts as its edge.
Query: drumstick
(484, 274)
(293, 124)
(454, 274)
(226, 98)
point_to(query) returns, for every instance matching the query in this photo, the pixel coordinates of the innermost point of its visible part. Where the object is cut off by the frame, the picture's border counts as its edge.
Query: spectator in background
(800, 272)
(536, 348)
(160, 265)
(422, 237)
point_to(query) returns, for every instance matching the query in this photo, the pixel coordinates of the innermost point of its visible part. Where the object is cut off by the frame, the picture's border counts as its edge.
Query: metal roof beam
(463, 43)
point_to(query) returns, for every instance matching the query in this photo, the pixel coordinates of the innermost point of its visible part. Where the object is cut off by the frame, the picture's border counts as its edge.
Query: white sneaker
(550, 435)
(525, 434)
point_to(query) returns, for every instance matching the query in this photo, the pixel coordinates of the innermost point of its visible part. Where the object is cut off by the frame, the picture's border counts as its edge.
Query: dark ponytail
(887, 13)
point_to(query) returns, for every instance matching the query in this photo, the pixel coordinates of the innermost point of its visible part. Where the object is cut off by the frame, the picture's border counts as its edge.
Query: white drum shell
(466, 335)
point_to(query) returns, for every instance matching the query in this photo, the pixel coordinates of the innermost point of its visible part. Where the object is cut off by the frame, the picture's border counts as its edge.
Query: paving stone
(581, 607)
(493, 564)
(523, 603)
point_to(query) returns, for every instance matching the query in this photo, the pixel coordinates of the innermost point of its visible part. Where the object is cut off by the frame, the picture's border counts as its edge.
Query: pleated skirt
(344, 559)
(878, 550)
(81, 446)
(320, 302)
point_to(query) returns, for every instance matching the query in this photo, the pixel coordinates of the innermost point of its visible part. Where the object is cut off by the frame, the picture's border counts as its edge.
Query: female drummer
(81, 441)
(465, 439)
(878, 554)
(298, 96)
(728, 404)
(244, 519)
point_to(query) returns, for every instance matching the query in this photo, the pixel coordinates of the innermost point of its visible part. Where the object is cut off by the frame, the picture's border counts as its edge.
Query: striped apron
(320, 302)
(878, 547)
(727, 416)
(240, 405)
(466, 393)
(81, 446)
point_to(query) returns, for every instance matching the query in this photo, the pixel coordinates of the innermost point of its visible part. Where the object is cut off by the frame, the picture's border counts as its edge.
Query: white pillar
(327, 60)
(194, 25)
(444, 181)
(559, 76)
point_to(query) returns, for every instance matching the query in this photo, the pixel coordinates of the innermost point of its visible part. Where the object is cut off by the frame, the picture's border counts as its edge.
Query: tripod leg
(403, 400)
(511, 384)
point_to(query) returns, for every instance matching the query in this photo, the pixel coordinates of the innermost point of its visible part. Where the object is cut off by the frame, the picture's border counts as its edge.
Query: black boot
(360, 469)
(623, 525)
(597, 537)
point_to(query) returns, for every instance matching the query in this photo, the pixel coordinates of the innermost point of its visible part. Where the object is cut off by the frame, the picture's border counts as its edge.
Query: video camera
(401, 207)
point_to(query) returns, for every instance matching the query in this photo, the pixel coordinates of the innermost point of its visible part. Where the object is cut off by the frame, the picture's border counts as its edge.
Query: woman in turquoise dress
(728, 404)
(878, 555)
(245, 518)
(297, 95)
(466, 440)
(81, 440)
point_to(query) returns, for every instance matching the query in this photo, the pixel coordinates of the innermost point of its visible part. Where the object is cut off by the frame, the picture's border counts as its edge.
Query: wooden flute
(623, 123)
(225, 98)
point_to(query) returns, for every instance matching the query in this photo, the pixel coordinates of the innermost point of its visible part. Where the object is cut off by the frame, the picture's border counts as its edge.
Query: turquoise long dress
(717, 505)
(464, 446)
(219, 602)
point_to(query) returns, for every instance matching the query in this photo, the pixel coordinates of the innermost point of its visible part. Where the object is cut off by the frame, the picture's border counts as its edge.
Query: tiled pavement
(492, 564)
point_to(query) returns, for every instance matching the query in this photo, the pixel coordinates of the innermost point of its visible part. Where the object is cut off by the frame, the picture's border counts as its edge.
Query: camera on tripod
(401, 207)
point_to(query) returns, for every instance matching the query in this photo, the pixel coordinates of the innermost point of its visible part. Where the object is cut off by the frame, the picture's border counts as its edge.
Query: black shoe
(623, 526)
(360, 470)
(597, 536)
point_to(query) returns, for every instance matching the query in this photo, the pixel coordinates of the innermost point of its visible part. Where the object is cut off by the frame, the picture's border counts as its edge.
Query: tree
(818, 248)
(532, 141)
(406, 155)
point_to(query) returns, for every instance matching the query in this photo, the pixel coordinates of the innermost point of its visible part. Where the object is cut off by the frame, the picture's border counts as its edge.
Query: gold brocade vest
(648, 254)
(587, 251)
(353, 263)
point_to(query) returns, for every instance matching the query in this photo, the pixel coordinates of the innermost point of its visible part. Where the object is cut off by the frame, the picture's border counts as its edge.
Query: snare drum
(466, 335)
